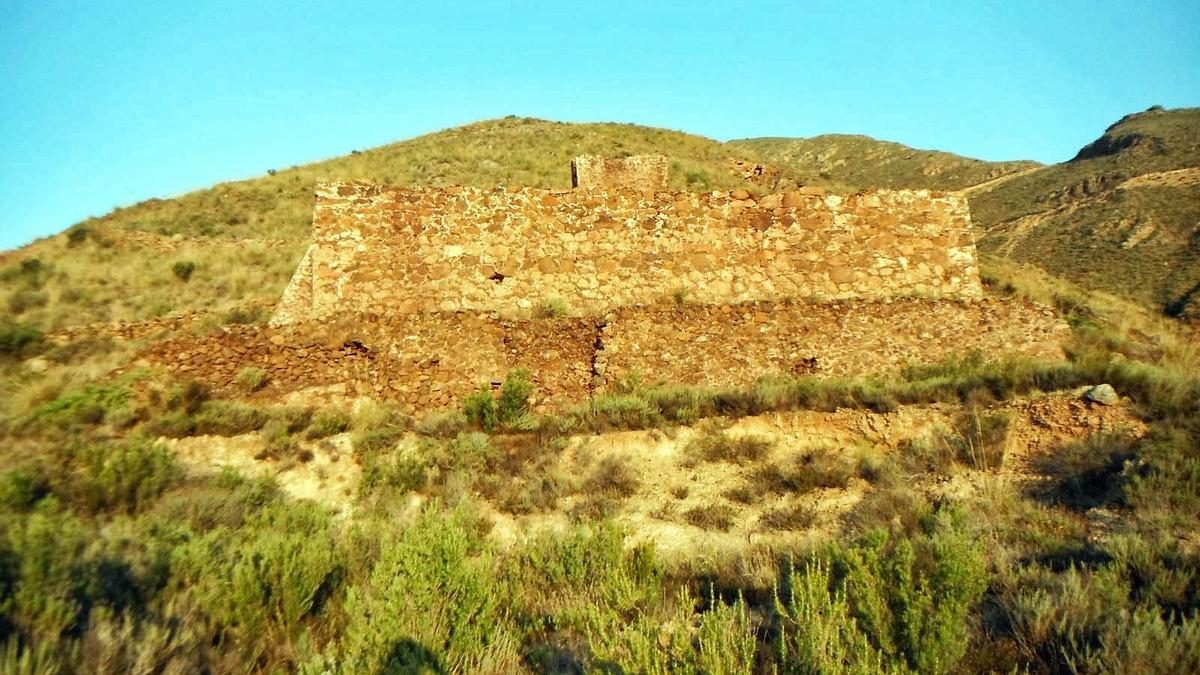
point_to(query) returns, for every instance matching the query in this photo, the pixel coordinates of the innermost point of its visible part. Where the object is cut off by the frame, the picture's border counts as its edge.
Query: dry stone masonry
(640, 173)
(422, 295)
(402, 251)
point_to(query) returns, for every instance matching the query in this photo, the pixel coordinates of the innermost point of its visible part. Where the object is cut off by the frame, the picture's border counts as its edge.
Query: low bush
(19, 340)
(124, 476)
(432, 603)
(22, 488)
(251, 379)
(551, 308)
(883, 604)
(1088, 473)
(25, 299)
(265, 578)
(810, 470)
(442, 424)
(512, 406)
(89, 405)
(327, 423)
(712, 443)
(183, 269)
(711, 517)
(480, 409)
(788, 518)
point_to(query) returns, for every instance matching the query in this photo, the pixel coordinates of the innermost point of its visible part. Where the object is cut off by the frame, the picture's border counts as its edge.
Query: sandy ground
(672, 483)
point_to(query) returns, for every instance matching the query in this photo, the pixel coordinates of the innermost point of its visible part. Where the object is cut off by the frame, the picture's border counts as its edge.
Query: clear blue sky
(107, 103)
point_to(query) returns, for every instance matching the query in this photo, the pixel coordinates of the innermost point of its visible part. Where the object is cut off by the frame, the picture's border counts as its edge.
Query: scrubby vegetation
(114, 558)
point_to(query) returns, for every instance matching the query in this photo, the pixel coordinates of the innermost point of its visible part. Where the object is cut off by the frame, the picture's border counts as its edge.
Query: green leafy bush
(89, 405)
(551, 308)
(19, 340)
(480, 409)
(433, 602)
(123, 476)
(512, 407)
(183, 269)
(883, 605)
(21, 488)
(211, 418)
(265, 577)
(327, 423)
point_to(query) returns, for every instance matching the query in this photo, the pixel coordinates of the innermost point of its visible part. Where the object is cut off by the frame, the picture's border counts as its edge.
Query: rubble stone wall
(641, 173)
(429, 361)
(401, 251)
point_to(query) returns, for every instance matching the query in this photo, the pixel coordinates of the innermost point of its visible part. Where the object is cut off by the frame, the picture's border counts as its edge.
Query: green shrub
(442, 424)
(1135, 613)
(25, 299)
(480, 409)
(373, 442)
(711, 517)
(433, 603)
(551, 308)
(883, 605)
(1087, 473)
(404, 474)
(21, 488)
(327, 423)
(243, 316)
(512, 407)
(613, 477)
(45, 574)
(810, 470)
(19, 340)
(251, 379)
(982, 440)
(124, 476)
(188, 397)
(183, 269)
(265, 577)
(78, 234)
(211, 418)
(619, 411)
(89, 405)
(788, 518)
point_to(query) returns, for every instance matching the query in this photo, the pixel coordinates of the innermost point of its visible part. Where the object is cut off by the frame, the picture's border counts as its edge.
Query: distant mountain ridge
(1122, 216)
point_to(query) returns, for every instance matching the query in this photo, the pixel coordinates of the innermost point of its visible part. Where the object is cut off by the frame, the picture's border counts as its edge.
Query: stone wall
(733, 345)
(640, 173)
(427, 361)
(399, 251)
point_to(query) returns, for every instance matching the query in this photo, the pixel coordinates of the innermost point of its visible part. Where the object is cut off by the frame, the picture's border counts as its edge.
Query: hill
(986, 512)
(856, 162)
(232, 248)
(1120, 216)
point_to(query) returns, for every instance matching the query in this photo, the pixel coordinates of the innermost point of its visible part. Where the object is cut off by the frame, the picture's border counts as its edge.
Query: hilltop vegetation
(244, 238)
(1089, 221)
(851, 162)
(118, 555)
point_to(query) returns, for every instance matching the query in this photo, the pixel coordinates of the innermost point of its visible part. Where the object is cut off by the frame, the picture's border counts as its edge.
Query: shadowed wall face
(385, 250)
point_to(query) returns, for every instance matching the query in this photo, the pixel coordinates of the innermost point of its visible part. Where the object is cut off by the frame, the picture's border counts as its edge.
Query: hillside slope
(855, 162)
(233, 247)
(1123, 215)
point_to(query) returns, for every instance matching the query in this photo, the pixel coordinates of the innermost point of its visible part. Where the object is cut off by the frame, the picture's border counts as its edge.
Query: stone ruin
(640, 173)
(422, 295)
